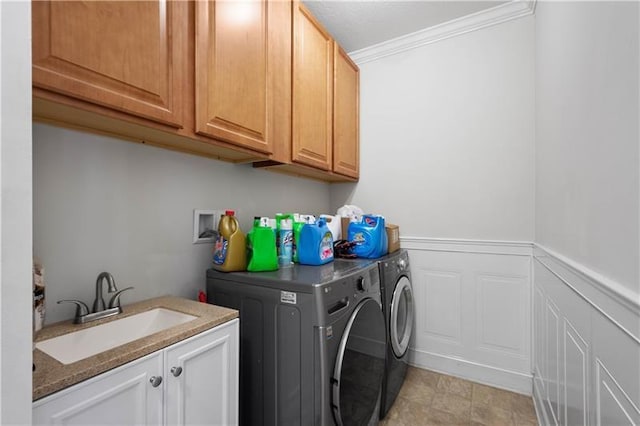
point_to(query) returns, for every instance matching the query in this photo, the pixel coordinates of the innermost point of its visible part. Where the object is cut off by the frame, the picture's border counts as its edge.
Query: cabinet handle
(176, 371)
(155, 381)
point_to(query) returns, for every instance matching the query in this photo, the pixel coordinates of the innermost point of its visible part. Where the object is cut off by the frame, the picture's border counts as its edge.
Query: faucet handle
(81, 309)
(115, 299)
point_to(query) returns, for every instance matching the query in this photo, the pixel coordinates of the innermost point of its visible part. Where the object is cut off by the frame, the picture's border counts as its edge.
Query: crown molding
(496, 15)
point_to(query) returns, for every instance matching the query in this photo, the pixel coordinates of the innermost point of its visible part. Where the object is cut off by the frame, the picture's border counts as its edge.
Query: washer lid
(360, 365)
(298, 278)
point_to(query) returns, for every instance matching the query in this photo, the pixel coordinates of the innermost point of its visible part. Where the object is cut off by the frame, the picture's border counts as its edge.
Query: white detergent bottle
(334, 223)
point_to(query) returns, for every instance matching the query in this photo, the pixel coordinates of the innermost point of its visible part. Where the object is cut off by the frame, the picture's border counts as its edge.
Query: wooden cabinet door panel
(234, 94)
(130, 56)
(346, 94)
(312, 91)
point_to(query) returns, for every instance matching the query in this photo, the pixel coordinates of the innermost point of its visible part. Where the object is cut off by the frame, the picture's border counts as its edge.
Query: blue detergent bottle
(316, 244)
(370, 237)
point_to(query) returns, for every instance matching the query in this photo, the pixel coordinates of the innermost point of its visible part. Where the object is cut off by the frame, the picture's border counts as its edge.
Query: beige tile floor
(429, 398)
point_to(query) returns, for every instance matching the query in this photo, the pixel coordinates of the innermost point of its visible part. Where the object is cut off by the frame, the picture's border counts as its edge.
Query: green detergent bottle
(261, 247)
(230, 248)
(297, 226)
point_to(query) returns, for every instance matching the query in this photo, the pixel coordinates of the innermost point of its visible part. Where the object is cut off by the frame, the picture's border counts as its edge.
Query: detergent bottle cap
(229, 212)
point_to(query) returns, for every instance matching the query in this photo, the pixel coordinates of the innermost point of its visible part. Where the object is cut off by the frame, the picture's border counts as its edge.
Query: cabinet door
(312, 91)
(130, 56)
(242, 85)
(123, 396)
(346, 113)
(202, 378)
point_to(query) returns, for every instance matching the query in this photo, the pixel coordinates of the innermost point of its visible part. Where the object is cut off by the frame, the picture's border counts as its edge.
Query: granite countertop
(51, 375)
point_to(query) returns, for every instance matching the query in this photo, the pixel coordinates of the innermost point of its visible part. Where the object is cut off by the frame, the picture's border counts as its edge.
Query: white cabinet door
(202, 378)
(123, 396)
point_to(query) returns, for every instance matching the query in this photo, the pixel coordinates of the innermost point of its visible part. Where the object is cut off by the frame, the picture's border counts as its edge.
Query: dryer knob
(402, 265)
(362, 284)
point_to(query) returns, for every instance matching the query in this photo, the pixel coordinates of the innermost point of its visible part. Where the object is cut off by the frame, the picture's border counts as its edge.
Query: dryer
(312, 342)
(399, 313)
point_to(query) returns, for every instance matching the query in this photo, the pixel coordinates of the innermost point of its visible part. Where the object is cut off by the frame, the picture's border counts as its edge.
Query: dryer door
(357, 376)
(402, 312)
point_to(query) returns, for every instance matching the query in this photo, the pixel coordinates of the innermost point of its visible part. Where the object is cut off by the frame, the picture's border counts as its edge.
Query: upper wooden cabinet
(244, 81)
(325, 107)
(129, 56)
(312, 91)
(242, 71)
(346, 114)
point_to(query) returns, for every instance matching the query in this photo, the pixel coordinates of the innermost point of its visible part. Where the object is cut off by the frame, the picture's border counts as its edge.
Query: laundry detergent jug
(299, 220)
(316, 244)
(370, 237)
(261, 247)
(334, 223)
(230, 248)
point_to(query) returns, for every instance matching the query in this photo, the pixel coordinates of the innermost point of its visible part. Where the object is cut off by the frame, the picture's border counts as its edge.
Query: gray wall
(447, 137)
(106, 205)
(587, 141)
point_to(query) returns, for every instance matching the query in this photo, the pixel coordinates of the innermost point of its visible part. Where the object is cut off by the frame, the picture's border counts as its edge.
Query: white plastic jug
(334, 224)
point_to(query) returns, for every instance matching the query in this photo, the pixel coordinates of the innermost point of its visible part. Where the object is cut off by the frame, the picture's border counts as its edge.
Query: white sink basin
(81, 344)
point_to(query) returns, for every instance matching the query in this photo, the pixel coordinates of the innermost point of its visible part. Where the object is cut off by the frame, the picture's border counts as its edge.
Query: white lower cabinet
(202, 379)
(194, 381)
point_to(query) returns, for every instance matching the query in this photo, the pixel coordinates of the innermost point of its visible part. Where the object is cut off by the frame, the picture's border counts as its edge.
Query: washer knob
(362, 284)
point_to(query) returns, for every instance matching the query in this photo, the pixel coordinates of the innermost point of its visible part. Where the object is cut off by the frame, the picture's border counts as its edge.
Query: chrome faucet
(98, 304)
(99, 309)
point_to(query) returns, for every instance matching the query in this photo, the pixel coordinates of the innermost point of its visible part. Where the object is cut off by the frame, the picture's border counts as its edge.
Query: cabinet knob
(176, 371)
(155, 381)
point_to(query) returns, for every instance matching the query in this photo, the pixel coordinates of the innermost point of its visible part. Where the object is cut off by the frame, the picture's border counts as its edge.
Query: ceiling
(363, 23)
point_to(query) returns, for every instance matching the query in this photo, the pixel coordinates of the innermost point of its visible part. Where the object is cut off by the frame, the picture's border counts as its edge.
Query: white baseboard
(509, 380)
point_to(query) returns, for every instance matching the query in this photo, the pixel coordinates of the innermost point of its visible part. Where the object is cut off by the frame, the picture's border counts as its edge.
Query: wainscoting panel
(575, 377)
(587, 348)
(553, 360)
(539, 349)
(473, 316)
(441, 298)
(499, 326)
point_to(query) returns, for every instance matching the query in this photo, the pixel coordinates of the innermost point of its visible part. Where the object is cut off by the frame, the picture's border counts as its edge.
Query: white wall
(107, 205)
(16, 294)
(587, 283)
(447, 137)
(447, 153)
(587, 136)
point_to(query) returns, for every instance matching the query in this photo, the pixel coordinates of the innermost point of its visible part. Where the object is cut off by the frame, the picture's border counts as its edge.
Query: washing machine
(399, 313)
(312, 342)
